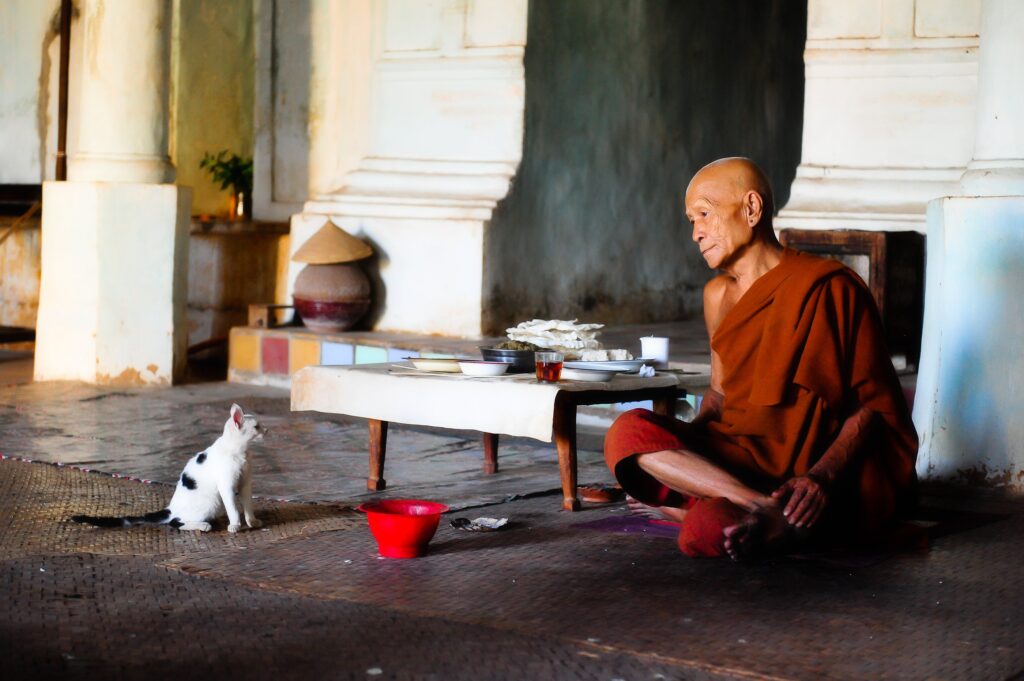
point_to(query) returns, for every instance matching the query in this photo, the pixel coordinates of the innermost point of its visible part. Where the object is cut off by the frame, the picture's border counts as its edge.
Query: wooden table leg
(378, 446)
(666, 406)
(490, 453)
(564, 428)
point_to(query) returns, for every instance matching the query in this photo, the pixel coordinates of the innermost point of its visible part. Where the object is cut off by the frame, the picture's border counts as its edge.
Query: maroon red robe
(801, 351)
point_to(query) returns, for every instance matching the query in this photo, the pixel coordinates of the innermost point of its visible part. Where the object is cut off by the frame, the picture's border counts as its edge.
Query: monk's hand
(805, 500)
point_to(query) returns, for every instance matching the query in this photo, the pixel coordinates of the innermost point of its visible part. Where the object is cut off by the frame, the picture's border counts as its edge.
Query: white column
(115, 236)
(968, 403)
(998, 165)
(888, 112)
(124, 105)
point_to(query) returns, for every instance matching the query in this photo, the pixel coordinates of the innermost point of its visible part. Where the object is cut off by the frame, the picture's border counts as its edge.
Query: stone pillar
(998, 165)
(967, 407)
(115, 236)
(888, 112)
(124, 104)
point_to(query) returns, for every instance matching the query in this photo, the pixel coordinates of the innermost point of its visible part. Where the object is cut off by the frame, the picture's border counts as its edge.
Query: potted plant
(235, 172)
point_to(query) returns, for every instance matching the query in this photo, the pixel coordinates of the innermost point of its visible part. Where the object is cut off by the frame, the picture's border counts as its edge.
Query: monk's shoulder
(811, 264)
(845, 288)
(719, 297)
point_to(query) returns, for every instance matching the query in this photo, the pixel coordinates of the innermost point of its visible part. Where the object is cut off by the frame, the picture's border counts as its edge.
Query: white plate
(625, 365)
(588, 375)
(476, 367)
(435, 364)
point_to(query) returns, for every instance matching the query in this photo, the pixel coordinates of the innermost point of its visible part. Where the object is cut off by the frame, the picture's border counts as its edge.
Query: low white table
(515, 405)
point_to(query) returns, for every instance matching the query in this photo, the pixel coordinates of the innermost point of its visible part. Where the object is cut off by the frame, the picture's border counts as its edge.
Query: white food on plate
(605, 355)
(557, 334)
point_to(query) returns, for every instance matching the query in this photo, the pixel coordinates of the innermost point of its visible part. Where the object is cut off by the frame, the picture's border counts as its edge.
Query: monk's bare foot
(655, 512)
(760, 533)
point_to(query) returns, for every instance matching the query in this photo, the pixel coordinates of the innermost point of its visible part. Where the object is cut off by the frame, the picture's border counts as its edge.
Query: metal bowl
(522, 360)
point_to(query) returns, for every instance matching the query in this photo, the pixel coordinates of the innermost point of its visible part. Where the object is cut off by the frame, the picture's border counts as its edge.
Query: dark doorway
(624, 102)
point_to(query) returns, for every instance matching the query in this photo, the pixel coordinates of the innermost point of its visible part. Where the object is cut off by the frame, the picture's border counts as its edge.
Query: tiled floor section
(304, 456)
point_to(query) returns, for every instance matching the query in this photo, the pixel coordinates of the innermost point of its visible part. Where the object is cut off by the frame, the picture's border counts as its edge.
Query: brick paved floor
(543, 600)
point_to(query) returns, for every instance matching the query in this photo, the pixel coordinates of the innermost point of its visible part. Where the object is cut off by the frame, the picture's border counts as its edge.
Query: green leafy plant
(230, 170)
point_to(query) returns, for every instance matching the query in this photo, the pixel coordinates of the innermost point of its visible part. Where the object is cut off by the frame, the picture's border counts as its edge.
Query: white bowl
(445, 365)
(619, 365)
(588, 375)
(477, 367)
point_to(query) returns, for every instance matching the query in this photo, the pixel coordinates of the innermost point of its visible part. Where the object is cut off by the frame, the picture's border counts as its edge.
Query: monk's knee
(629, 422)
(625, 436)
(633, 434)
(703, 531)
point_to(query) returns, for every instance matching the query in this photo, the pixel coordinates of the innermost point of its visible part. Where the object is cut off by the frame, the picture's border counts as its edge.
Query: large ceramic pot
(331, 297)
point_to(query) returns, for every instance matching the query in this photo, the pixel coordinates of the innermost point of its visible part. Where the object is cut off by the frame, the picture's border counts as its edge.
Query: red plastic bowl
(403, 527)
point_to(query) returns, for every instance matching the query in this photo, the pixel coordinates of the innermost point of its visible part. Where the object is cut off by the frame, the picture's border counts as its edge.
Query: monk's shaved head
(742, 175)
(729, 203)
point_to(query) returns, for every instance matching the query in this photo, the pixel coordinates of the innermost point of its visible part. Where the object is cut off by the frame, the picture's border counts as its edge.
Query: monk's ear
(753, 208)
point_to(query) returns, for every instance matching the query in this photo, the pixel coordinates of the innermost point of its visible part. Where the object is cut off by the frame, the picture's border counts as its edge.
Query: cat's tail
(161, 517)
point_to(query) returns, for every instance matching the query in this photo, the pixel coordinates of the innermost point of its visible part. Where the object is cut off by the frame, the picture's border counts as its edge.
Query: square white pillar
(968, 402)
(114, 283)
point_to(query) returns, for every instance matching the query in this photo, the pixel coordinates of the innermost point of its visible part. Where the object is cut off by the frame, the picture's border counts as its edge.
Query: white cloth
(507, 405)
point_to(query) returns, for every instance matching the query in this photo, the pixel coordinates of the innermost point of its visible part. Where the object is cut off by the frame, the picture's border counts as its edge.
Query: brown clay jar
(331, 297)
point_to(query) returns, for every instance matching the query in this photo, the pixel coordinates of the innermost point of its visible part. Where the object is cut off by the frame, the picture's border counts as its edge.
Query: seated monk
(805, 432)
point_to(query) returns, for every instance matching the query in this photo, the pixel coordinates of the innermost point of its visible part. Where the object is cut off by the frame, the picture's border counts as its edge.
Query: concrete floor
(550, 598)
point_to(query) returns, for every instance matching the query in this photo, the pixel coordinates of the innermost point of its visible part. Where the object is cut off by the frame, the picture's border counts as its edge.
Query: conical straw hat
(331, 245)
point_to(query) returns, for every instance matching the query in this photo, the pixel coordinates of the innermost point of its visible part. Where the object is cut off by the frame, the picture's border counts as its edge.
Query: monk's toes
(638, 508)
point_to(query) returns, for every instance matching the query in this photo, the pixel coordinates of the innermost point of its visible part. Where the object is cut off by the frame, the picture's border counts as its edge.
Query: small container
(403, 527)
(655, 348)
(549, 366)
(522, 360)
(443, 365)
(592, 375)
(477, 367)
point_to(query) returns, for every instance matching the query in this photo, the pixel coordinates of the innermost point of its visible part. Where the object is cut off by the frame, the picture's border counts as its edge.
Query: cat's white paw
(204, 527)
(255, 523)
(234, 527)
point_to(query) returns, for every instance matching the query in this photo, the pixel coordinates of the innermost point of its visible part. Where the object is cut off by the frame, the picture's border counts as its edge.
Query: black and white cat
(215, 480)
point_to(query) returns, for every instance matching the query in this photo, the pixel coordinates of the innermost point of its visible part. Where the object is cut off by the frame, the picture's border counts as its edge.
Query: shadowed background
(624, 102)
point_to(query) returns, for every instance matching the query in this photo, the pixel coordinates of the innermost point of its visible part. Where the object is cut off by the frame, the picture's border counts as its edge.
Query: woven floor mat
(909, 617)
(37, 499)
(89, 617)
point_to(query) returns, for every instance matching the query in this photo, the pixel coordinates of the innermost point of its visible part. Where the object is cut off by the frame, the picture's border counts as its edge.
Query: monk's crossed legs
(731, 517)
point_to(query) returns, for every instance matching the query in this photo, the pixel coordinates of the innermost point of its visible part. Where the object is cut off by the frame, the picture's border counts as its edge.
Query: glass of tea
(549, 366)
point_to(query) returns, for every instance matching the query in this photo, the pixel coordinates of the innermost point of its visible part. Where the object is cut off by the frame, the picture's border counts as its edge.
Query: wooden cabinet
(891, 264)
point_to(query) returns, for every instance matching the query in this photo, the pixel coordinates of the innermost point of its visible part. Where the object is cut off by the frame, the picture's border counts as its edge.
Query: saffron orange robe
(801, 350)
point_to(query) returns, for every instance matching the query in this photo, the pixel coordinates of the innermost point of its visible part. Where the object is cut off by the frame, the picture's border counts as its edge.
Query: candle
(655, 348)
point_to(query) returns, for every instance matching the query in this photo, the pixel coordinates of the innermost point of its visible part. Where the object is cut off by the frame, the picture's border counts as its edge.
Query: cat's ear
(236, 415)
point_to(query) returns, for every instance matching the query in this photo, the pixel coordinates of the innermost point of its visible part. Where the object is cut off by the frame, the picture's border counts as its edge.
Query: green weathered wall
(213, 91)
(625, 100)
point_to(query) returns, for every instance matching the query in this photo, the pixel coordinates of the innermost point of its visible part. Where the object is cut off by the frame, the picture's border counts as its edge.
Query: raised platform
(269, 356)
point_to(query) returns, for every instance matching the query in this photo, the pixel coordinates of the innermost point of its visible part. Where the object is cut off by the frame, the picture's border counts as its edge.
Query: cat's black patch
(201, 458)
(175, 523)
(187, 481)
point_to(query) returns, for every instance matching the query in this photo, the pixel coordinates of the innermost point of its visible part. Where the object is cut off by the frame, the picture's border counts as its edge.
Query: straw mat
(37, 499)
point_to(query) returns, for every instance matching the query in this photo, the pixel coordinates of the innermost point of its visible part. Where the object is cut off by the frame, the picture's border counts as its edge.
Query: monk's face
(718, 208)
